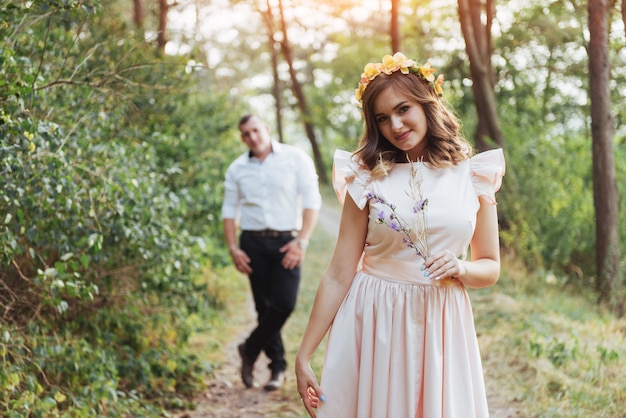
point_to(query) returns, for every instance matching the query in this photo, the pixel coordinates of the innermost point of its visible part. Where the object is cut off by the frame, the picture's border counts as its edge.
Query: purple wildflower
(414, 231)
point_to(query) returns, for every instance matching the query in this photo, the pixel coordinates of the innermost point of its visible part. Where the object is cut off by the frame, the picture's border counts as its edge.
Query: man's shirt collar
(276, 148)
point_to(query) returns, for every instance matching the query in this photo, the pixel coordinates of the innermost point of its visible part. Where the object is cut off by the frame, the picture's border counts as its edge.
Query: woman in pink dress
(402, 341)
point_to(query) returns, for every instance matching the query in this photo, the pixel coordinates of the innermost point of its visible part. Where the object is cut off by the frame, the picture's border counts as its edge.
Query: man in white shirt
(272, 197)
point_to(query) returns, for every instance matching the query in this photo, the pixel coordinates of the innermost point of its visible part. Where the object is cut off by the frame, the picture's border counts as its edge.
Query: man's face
(256, 135)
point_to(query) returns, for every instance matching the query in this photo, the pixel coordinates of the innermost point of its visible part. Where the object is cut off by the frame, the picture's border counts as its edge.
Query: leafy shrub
(546, 205)
(108, 200)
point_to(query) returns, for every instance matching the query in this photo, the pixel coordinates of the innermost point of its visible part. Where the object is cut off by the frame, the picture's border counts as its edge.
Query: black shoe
(247, 364)
(276, 381)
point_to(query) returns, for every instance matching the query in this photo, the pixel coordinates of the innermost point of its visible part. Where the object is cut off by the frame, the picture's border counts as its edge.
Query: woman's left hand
(442, 265)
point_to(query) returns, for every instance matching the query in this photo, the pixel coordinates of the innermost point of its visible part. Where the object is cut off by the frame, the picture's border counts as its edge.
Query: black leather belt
(271, 233)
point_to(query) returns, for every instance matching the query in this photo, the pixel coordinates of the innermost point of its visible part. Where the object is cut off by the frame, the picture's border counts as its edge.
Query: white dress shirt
(271, 194)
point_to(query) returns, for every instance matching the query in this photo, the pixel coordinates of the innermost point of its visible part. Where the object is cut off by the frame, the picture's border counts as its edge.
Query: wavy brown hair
(445, 145)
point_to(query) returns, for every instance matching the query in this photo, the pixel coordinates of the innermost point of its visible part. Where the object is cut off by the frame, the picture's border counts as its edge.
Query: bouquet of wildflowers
(414, 230)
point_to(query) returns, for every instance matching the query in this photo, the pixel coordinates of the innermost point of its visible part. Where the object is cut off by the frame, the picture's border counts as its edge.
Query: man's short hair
(245, 118)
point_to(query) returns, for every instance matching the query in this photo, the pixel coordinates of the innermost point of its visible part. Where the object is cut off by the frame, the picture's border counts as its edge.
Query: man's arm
(308, 189)
(295, 250)
(309, 219)
(230, 233)
(240, 258)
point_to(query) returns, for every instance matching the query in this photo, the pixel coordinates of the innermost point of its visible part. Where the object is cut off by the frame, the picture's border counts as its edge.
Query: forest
(118, 119)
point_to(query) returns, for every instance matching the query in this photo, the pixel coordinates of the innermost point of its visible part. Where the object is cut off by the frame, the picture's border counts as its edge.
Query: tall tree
(272, 45)
(164, 8)
(300, 97)
(605, 196)
(138, 14)
(479, 47)
(396, 37)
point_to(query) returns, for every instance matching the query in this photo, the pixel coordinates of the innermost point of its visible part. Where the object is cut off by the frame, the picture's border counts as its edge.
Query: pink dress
(403, 345)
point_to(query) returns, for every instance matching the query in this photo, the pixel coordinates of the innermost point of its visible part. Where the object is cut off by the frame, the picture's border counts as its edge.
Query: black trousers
(275, 291)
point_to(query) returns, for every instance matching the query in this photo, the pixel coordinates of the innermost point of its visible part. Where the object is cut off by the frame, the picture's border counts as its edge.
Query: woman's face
(402, 121)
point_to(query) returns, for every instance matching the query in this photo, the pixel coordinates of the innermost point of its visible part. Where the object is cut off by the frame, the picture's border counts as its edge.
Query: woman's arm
(484, 268)
(332, 290)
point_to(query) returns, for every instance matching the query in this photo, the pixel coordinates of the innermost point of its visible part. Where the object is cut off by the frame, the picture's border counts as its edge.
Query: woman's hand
(310, 391)
(483, 269)
(442, 265)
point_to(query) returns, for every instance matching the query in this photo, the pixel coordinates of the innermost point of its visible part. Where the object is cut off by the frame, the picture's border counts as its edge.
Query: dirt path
(226, 397)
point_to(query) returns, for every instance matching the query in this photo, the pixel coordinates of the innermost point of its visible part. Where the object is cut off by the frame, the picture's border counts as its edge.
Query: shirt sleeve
(350, 177)
(230, 204)
(308, 183)
(487, 169)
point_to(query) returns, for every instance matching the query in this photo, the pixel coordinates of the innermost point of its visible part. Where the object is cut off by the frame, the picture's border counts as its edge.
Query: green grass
(229, 290)
(550, 352)
(547, 351)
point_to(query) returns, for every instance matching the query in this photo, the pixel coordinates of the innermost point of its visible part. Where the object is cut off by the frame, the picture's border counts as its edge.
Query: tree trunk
(138, 13)
(302, 103)
(394, 28)
(605, 195)
(478, 44)
(269, 24)
(276, 92)
(162, 29)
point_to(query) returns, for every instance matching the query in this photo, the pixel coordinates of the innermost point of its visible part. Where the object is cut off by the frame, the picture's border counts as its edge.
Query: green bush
(546, 205)
(110, 179)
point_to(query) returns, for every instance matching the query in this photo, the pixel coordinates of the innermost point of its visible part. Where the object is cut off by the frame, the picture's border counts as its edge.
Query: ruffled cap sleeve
(487, 171)
(350, 177)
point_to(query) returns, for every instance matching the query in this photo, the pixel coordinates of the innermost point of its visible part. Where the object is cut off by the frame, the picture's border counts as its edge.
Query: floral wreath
(391, 64)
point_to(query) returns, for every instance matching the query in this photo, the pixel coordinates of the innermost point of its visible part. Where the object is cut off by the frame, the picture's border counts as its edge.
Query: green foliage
(546, 205)
(111, 371)
(556, 173)
(555, 350)
(110, 182)
(563, 351)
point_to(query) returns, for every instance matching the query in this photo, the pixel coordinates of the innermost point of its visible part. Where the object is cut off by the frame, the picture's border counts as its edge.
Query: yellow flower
(31, 147)
(371, 71)
(427, 72)
(28, 135)
(439, 84)
(391, 64)
(403, 62)
(358, 94)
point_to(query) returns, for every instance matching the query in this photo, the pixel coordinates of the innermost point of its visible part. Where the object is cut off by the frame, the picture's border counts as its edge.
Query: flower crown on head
(391, 64)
